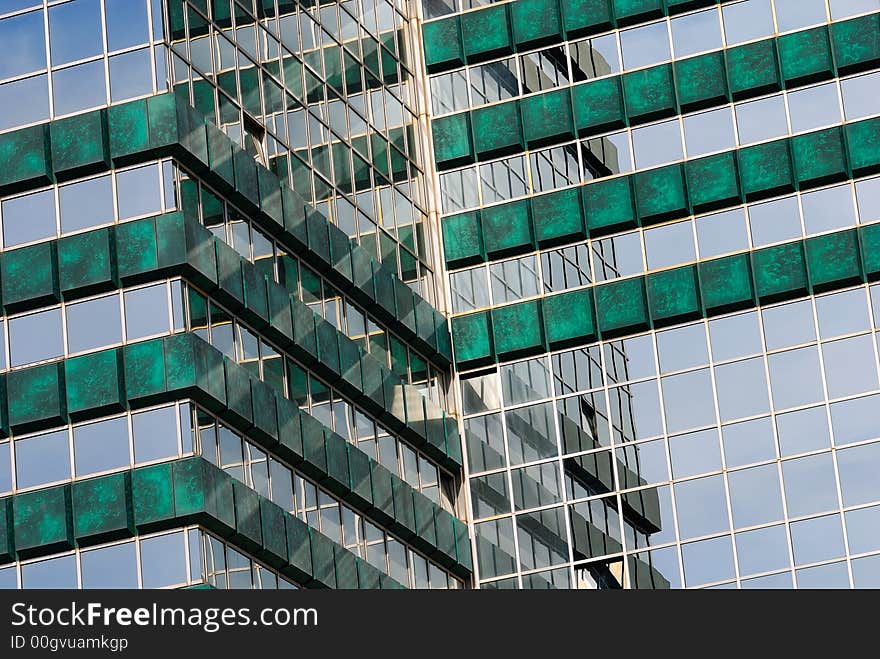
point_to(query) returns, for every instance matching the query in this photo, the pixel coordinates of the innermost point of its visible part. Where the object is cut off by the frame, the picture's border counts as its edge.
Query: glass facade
(442, 294)
(649, 397)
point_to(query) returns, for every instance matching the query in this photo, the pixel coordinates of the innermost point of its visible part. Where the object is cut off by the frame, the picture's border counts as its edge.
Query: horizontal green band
(172, 495)
(667, 297)
(612, 205)
(185, 366)
(163, 126)
(709, 80)
(493, 31)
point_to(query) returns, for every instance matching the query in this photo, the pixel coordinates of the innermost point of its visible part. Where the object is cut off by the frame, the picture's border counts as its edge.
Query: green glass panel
(443, 47)
(486, 33)
(753, 69)
(558, 217)
(820, 157)
(507, 228)
(856, 43)
(649, 94)
(621, 307)
(452, 140)
(547, 117)
(517, 329)
(701, 81)
(36, 397)
(153, 496)
(580, 17)
(833, 260)
(673, 295)
(102, 509)
(85, 262)
(79, 145)
(128, 130)
(609, 205)
(780, 272)
(863, 146)
(30, 277)
(661, 194)
(766, 170)
(535, 22)
(472, 339)
(635, 11)
(598, 106)
(569, 318)
(94, 384)
(497, 129)
(26, 157)
(713, 182)
(805, 56)
(726, 284)
(43, 521)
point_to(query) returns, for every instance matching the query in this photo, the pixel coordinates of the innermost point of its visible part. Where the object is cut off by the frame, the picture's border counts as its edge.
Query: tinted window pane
(696, 32)
(850, 366)
(54, 573)
(742, 389)
(155, 434)
(761, 120)
(75, 31)
(844, 8)
(744, 21)
(5, 467)
(708, 131)
(762, 550)
(127, 23)
(817, 539)
(24, 44)
(788, 325)
(795, 378)
(24, 102)
(670, 245)
(35, 337)
(163, 561)
(79, 88)
(775, 221)
(866, 572)
(695, 453)
(828, 209)
(146, 312)
(803, 431)
(824, 576)
(701, 506)
(645, 45)
(747, 442)
(794, 14)
(94, 324)
(735, 336)
(755, 497)
(858, 468)
(42, 459)
(861, 529)
(110, 567)
(721, 233)
(688, 400)
(101, 446)
(138, 191)
(810, 486)
(657, 144)
(131, 75)
(681, 348)
(86, 204)
(29, 218)
(708, 561)
(860, 97)
(814, 107)
(855, 420)
(842, 313)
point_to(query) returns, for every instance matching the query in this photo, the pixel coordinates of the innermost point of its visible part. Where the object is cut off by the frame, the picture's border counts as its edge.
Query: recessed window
(708, 131)
(657, 144)
(828, 209)
(94, 324)
(761, 120)
(86, 204)
(844, 8)
(796, 14)
(860, 97)
(775, 221)
(720, 233)
(24, 101)
(54, 573)
(75, 31)
(146, 312)
(682, 347)
(155, 434)
(695, 33)
(514, 279)
(648, 44)
(29, 218)
(594, 57)
(101, 446)
(163, 560)
(671, 244)
(744, 21)
(138, 191)
(110, 567)
(814, 107)
(42, 459)
(35, 337)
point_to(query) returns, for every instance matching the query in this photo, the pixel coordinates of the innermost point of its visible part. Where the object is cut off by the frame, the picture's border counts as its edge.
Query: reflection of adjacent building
(588, 467)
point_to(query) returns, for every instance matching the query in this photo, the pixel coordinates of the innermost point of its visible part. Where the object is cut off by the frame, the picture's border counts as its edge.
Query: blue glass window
(75, 31)
(131, 75)
(127, 23)
(24, 44)
(79, 88)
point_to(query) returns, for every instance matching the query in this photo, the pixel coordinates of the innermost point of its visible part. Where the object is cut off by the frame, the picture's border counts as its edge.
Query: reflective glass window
(644, 45)
(75, 31)
(755, 496)
(841, 313)
(110, 567)
(748, 441)
(670, 244)
(28, 218)
(795, 14)
(127, 23)
(742, 389)
(708, 561)
(79, 87)
(795, 377)
(57, 572)
(831, 208)
(682, 347)
(844, 8)
(775, 221)
(688, 400)
(744, 21)
(810, 486)
(657, 144)
(163, 560)
(762, 550)
(35, 337)
(86, 204)
(735, 336)
(858, 468)
(761, 120)
(817, 539)
(695, 453)
(42, 459)
(720, 233)
(788, 324)
(101, 446)
(94, 324)
(803, 430)
(814, 107)
(694, 33)
(860, 98)
(24, 41)
(146, 312)
(701, 505)
(131, 75)
(155, 434)
(24, 101)
(710, 131)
